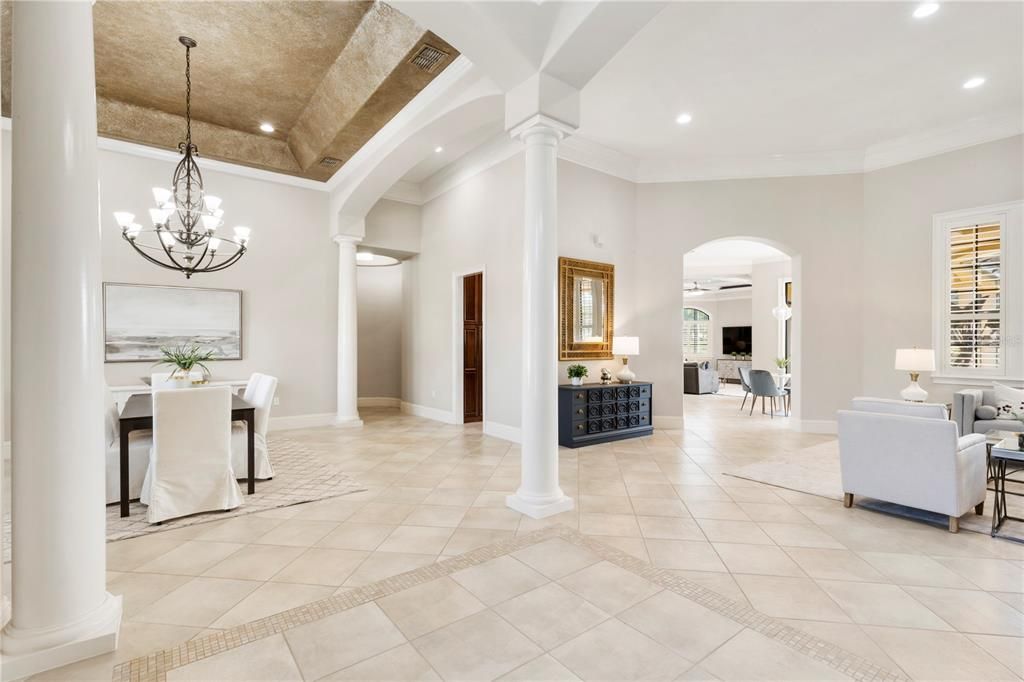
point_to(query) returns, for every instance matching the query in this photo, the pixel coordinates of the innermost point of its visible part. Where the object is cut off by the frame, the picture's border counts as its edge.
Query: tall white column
(348, 344)
(61, 611)
(539, 494)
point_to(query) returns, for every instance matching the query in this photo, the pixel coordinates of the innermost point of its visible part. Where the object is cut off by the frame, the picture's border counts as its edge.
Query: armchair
(911, 454)
(698, 377)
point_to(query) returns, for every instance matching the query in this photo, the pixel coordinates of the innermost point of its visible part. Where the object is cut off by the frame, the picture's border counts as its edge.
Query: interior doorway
(472, 348)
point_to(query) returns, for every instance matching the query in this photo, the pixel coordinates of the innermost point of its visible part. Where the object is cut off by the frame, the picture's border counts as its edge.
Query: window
(980, 304)
(696, 333)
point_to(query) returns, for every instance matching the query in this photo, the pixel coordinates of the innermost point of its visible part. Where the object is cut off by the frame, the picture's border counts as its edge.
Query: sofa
(913, 455)
(972, 420)
(698, 378)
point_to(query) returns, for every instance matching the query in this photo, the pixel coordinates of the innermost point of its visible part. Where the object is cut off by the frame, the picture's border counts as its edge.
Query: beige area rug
(631, 621)
(815, 470)
(300, 476)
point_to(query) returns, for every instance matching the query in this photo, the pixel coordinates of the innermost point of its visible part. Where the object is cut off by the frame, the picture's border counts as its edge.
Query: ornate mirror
(586, 302)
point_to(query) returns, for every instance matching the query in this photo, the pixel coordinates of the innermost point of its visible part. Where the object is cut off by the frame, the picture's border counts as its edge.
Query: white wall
(393, 225)
(899, 203)
(380, 331)
(767, 336)
(479, 224)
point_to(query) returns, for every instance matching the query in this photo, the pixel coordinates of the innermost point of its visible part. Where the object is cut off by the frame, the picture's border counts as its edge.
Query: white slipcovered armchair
(139, 443)
(258, 392)
(911, 454)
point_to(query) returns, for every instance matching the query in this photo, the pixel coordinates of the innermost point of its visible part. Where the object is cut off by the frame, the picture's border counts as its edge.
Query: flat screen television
(736, 340)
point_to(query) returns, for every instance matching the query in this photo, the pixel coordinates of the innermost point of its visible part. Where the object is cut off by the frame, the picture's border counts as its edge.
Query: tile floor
(909, 597)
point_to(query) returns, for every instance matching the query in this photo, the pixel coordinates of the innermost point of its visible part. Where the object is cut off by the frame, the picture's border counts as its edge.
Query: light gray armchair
(699, 378)
(762, 384)
(970, 419)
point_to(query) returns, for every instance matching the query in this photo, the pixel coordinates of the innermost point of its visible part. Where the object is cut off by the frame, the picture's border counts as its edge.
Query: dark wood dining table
(138, 414)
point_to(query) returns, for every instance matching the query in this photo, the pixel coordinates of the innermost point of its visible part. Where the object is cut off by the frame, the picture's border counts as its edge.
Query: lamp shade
(915, 359)
(625, 345)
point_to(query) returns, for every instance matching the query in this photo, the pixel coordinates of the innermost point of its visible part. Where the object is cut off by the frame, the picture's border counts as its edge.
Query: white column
(348, 344)
(61, 611)
(539, 494)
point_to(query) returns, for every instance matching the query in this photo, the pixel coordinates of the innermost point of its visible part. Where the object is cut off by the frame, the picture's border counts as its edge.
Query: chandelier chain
(188, 95)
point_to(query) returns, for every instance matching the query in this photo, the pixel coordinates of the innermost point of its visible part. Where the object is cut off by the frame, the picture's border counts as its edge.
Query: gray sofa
(965, 408)
(698, 377)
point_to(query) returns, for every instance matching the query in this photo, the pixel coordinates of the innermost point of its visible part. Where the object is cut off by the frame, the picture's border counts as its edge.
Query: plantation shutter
(974, 332)
(696, 332)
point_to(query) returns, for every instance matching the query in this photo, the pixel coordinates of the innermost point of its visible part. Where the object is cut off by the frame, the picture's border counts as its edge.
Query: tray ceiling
(326, 75)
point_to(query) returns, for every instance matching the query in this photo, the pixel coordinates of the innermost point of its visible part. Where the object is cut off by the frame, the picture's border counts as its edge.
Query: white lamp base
(626, 376)
(914, 393)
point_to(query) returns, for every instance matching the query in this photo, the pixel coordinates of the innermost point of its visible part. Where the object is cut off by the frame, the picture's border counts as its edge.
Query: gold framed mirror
(586, 309)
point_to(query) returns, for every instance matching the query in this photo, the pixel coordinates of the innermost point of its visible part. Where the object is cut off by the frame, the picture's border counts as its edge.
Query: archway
(740, 310)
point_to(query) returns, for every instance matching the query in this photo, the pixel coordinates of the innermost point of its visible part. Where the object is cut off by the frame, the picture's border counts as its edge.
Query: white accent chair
(259, 392)
(911, 454)
(190, 463)
(139, 443)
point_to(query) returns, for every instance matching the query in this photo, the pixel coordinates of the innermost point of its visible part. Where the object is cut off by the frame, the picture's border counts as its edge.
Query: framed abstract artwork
(140, 319)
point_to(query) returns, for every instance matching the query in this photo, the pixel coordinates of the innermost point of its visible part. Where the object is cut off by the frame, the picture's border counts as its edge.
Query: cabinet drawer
(579, 396)
(594, 395)
(579, 412)
(645, 391)
(645, 405)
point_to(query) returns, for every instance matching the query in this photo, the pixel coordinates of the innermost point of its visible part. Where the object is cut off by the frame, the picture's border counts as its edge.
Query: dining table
(138, 414)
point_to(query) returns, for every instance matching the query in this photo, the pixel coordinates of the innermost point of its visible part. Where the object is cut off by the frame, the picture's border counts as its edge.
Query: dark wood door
(473, 348)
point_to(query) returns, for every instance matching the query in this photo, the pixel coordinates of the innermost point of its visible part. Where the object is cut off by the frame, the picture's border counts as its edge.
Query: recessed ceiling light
(926, 9)
(975, 82)
(683, 118)
(266, 127)
(438, 149)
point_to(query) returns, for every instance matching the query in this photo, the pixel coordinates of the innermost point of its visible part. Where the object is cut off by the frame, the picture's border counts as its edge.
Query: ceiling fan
(695, 289)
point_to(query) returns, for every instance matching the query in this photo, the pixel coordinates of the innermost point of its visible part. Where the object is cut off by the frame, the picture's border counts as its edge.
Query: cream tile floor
(912, 598)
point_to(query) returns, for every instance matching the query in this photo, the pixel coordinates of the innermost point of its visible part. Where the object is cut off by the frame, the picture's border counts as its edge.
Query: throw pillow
(1009, 402)
(986, 412)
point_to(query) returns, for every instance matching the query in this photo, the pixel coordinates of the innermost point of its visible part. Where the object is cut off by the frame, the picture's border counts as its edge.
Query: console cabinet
(599, 413)
(729, 369)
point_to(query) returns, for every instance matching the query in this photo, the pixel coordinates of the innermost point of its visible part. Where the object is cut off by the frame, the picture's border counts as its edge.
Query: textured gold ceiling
(327, 75)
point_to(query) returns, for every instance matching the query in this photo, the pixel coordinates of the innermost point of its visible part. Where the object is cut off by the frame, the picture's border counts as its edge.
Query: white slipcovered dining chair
(139, 443)
(259, 392)
(190, 463)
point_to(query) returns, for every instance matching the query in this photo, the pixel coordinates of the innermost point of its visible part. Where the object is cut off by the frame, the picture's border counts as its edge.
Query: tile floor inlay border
(155, 666)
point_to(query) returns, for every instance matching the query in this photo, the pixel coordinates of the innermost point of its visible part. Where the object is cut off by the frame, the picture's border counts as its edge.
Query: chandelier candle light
(191, 245)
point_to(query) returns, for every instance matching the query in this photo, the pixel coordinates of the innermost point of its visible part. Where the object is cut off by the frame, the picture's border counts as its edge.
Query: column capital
(541, 125)
(340, 239)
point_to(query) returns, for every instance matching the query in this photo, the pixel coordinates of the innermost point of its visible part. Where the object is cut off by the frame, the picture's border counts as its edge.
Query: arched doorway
(739, 311)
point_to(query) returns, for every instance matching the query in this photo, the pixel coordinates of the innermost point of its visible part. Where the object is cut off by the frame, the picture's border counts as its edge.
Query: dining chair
(762, 385)
(139, 443)
(745, 384)
(190, 463)
(259, 392)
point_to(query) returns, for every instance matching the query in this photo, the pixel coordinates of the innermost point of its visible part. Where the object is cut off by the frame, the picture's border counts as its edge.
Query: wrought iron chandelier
(192, 245)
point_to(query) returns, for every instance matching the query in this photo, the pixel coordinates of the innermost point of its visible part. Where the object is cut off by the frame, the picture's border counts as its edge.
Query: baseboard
(301, 421)
(428, 412)
(666, 422)
(826, 426)
(503, 431)
(380, 402)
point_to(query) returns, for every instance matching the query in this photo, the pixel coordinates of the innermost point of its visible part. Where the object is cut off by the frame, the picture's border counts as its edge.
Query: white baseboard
(429, 412)
(503, 431)
(665, 422)
(826, 426)
(301, 421)
(380, 402)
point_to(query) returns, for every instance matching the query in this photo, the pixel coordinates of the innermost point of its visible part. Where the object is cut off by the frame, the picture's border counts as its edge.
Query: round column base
(347, 422)
(540, 507)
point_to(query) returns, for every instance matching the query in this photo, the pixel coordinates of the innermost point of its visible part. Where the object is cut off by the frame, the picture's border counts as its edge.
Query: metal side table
(1006, 452)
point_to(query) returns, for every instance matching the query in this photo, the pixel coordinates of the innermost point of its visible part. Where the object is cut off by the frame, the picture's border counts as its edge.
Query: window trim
(711, 333)
(1010, 217)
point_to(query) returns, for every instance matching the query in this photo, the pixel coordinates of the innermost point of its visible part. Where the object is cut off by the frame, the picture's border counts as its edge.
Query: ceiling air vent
(330, 162)
(428, 58)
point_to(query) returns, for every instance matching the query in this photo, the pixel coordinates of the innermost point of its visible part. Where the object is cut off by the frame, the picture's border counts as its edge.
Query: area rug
(815, 471)
(479, 644)
(300, 476)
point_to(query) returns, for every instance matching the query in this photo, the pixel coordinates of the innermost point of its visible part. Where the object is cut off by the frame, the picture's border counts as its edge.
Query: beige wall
(899, 203)
(767, 333)
(380, 331)
(393, 225)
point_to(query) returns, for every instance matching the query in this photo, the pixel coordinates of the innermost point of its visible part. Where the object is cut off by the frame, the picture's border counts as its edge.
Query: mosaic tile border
(155, 666)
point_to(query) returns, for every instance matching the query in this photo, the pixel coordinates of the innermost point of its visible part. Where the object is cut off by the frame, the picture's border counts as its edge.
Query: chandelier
(190, 244)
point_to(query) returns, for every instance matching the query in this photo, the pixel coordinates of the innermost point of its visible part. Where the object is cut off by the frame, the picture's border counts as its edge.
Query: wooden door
(473, 348)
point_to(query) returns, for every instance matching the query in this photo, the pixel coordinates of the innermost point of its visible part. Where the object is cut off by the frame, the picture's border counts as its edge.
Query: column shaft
(61, 610)
(348, 344)
(539, 494)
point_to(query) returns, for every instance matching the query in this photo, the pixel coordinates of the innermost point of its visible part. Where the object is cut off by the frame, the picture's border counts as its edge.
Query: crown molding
(476, 161)
(749, 167)
(978, 130)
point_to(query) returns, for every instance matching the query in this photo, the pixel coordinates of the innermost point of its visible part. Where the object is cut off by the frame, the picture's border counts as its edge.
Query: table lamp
(626, 346)
(915, 361)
